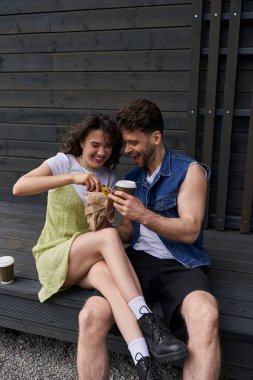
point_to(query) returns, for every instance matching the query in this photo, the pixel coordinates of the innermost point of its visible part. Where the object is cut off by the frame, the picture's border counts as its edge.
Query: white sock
(138, 348)
(139, 307)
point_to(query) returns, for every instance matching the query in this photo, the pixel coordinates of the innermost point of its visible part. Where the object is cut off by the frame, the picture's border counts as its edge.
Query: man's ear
(156, 137)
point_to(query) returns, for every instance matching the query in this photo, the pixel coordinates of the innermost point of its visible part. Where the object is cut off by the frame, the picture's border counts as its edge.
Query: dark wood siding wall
(61, 60)
(220, 128)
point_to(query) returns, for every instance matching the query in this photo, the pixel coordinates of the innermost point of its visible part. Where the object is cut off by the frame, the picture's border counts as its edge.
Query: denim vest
(161, 197)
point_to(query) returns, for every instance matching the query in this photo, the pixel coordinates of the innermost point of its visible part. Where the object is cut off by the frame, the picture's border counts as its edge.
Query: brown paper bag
(99, 210)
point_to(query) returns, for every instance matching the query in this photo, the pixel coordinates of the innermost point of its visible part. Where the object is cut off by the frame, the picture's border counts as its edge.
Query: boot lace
(150, 373)
(157, 324)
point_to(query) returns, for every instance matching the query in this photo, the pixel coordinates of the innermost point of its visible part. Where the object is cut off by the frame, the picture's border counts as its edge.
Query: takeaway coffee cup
(6, 269)
(126, 186)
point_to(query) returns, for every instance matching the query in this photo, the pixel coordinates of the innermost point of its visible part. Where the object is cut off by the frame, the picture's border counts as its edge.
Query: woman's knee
(95, 318)
(109, 235)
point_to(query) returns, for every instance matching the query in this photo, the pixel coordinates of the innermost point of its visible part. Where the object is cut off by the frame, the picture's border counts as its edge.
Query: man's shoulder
(181, 157)
(183, 161)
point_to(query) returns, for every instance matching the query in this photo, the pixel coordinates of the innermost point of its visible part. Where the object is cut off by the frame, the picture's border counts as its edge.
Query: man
(164, 225)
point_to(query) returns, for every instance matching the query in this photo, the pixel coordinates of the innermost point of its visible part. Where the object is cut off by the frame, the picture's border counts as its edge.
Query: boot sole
(168, 358)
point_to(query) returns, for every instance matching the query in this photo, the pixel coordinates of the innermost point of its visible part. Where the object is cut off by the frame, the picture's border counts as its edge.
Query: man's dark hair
(142, 115)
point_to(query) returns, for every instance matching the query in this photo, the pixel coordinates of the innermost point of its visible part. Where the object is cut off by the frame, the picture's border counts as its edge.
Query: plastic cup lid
(126, 183)
(6, 260)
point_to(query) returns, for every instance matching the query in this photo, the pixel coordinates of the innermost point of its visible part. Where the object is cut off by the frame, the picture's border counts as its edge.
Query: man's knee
(95, 318)
(201, 313)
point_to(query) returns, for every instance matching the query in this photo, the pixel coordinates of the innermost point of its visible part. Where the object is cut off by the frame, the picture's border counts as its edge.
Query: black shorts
(167, 282)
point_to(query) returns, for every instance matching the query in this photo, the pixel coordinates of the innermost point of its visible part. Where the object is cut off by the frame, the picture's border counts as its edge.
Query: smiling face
(143, 148)
(96, 149)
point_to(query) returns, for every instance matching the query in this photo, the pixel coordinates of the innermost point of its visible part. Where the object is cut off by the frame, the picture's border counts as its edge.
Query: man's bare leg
(95, 320)
(200, 311)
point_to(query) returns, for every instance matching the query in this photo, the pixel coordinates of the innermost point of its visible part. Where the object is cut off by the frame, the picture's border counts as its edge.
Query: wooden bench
(231, 276)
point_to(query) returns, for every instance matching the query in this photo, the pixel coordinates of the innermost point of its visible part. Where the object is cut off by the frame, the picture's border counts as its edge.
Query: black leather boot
(146, 370)
(163, 346)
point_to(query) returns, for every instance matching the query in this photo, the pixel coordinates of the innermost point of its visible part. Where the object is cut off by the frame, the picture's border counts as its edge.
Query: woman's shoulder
(59, 163)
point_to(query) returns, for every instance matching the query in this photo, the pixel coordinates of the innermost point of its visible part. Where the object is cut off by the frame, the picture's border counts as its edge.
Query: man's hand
(127, 205)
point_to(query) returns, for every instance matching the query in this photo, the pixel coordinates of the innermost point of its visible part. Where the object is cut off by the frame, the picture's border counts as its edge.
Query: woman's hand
(89, 180)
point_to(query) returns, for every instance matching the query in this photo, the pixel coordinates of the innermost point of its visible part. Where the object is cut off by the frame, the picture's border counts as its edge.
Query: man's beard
(147, 156)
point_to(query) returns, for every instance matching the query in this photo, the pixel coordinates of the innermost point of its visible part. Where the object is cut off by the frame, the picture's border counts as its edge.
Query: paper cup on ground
(6, 269)
(126, 186)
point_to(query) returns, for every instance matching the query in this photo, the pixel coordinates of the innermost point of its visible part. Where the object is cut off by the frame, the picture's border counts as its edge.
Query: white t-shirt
(66, 163)
(149, 240)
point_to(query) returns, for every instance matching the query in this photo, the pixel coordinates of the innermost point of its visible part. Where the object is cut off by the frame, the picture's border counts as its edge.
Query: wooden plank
(235, 180)
(25, 6)
(245, 37)
(236, 308)
(6, 195)
(26, 98)
(194, 76)
(234, 200)
(224, 51)
(40, 132)
(233, 41)
(26, 62)
(7, 179)
(122, 18)
(238, 141)
(244, 63)
(240, 294)
(224, 276)
(40, 115)
(97, 81)
(118, 18)
(164, 38)
(28, 149)
(220, 263)
(20, 217)
(236, 324)
(16, 245)
(72, 116)
(156, 60)
(241, 101)
(25, 209)
(246, 6)
(21, 231)
(18, 24)
(244, 81)
(237, 161)
(170, 101)
(19, 164)
(247, 197)
(212, 70)
(233, 238)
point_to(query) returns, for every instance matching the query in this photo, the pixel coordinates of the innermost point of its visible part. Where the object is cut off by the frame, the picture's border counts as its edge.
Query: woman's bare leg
(99, 277)
(92, 247)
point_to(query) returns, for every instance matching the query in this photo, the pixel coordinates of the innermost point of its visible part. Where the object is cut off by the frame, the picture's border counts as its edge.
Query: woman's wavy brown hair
(72, 138)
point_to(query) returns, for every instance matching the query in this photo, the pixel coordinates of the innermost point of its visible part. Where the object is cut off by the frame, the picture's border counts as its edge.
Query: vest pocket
(164, 203)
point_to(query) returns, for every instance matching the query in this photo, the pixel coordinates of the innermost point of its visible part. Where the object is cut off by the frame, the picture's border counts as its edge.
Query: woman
(67, 253)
